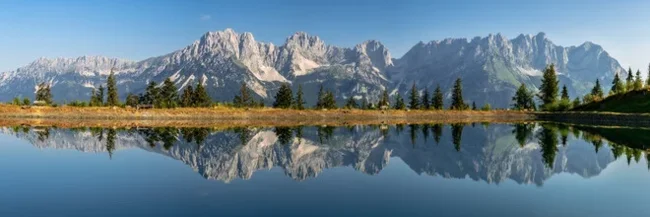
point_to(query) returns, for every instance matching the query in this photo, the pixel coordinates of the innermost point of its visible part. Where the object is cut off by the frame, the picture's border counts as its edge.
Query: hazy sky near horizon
(145, 28)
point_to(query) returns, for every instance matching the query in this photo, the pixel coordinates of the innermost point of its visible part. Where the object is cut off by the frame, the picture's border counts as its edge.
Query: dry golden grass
(226, 116)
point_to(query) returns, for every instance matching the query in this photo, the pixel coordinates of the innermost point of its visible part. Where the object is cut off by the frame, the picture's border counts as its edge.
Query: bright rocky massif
(491, 67)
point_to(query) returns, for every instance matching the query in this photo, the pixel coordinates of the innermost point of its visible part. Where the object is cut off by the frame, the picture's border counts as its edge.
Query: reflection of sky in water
(139, 182)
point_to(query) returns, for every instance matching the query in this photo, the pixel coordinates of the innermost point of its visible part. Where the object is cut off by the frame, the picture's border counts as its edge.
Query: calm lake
(533, 169)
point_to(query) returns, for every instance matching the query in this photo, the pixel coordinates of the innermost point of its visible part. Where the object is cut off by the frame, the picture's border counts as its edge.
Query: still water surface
(403, 170)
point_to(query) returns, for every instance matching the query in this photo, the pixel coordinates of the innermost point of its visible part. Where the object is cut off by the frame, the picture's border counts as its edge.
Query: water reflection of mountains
(524, 153)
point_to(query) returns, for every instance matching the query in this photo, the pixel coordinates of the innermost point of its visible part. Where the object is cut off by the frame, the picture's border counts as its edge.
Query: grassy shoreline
(105, 116)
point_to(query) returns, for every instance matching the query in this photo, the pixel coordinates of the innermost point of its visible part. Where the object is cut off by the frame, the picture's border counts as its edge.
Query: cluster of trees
(167, 96)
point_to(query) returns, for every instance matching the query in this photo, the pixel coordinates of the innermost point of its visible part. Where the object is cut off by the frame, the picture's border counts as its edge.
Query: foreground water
(403, 170)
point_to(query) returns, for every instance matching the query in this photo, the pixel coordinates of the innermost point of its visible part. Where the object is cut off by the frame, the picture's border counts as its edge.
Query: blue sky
(145, 28)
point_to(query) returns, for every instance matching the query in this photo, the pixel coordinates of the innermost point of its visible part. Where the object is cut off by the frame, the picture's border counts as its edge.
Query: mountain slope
(491, 68)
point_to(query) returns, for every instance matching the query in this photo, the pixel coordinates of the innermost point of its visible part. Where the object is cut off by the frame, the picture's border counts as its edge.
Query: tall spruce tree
(320, 101)
(169, 94)
(284, 97)
(426, 103)
(350, 103)
(151, 95)
(523, 99)
(132, 100)
(629, 81)
(549, 87)
(100, 95)
(244, 98)
(597, 91)
(638, 83)
(617, 85)
(399, 102)
(565, 93)
(111, 86)
(384, 101)
(187, 98)
(329, 101)
(474, 106)
(201, 98)
(93, 98)
(457, 102)
(414, 98)
(437, 100)
(299, 101)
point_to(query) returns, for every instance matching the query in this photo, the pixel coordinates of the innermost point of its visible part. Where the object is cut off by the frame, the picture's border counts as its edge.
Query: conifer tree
(647, 82)
(474, 105)
(426, 103)
(44, 93)
(385, 100)
(111, 86)
(597, 91)
(629, 81)
(437, 101)
(169, 94)
(284, 97)
(329, 101)
(364, 103)
(351, 103)
(201, 97)
(565, 93)
(414, 98)
(523, 99)
(399, 102)
(94, 101)
(151, 95)
(243, 99)
(100, 95)
(320, 101)
(187, 98)
(457, 102)
(638, 84)
(299, 101)
(617, 85)
(132, 100)
(549, 87)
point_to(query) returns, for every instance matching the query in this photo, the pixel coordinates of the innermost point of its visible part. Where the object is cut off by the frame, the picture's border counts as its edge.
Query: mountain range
(491, 68)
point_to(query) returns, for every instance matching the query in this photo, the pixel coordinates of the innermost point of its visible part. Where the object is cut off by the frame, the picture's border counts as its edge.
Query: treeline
(549, 92)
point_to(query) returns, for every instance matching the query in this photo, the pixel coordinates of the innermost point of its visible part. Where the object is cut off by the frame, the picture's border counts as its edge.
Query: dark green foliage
(329, 102)
(638, 84)
(168, 94)
(413, 128)
(647, 84)
(110, 141)
(630, 102)
(187, 98)
(597, 91)
(576, 102)
(151, 95)
(523, 133)
(320, 100)
(523, 99)
(351, 103)
(617, 85)
(244, 98)
(384, 101)
(16, 101)
(44, 93)
(426, 103)
(111, 86)
(547, 139)
(565, 93)
(474, 106)
(284, 97)
(437, 101)
(629, 81)
(26, 101)
(437, 132)
(457, 135)
(549, 88)
(284, 135)
(200, 97)
(132, 100)
(414, 98)
(299, 101)
(457, 102)
(486, 107)
(100, 96)
(364, 103)
(399, 102)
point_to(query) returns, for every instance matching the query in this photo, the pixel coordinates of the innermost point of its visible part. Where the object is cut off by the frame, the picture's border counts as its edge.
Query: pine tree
(457, 102)
(94, 101)
(169, 94)
(299, 101)
(549, 87)
(629, 81)
(329, 101)
(414, 98)
(399, 102)
(187, 98)
(576, 102)
(523, 99)
(243, 99)
(320, 101)
(426, 104)
(597, 91)
(385, 100)
(44, 93)
(474, 105)
(638, 84)
(364, 103)
(151, 95)
(100, 96)
(351, 103)
(111, 86)
(284, 97)
(565, 93)
(201, 97)
(437, 101)
(617, 85)
(132, 100)
(647, 82)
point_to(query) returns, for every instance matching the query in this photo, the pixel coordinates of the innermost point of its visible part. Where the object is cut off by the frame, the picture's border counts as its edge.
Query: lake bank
(597, 118)
(105, 116)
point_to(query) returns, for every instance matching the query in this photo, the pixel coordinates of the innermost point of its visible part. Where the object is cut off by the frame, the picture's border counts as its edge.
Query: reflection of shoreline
(488, 153)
